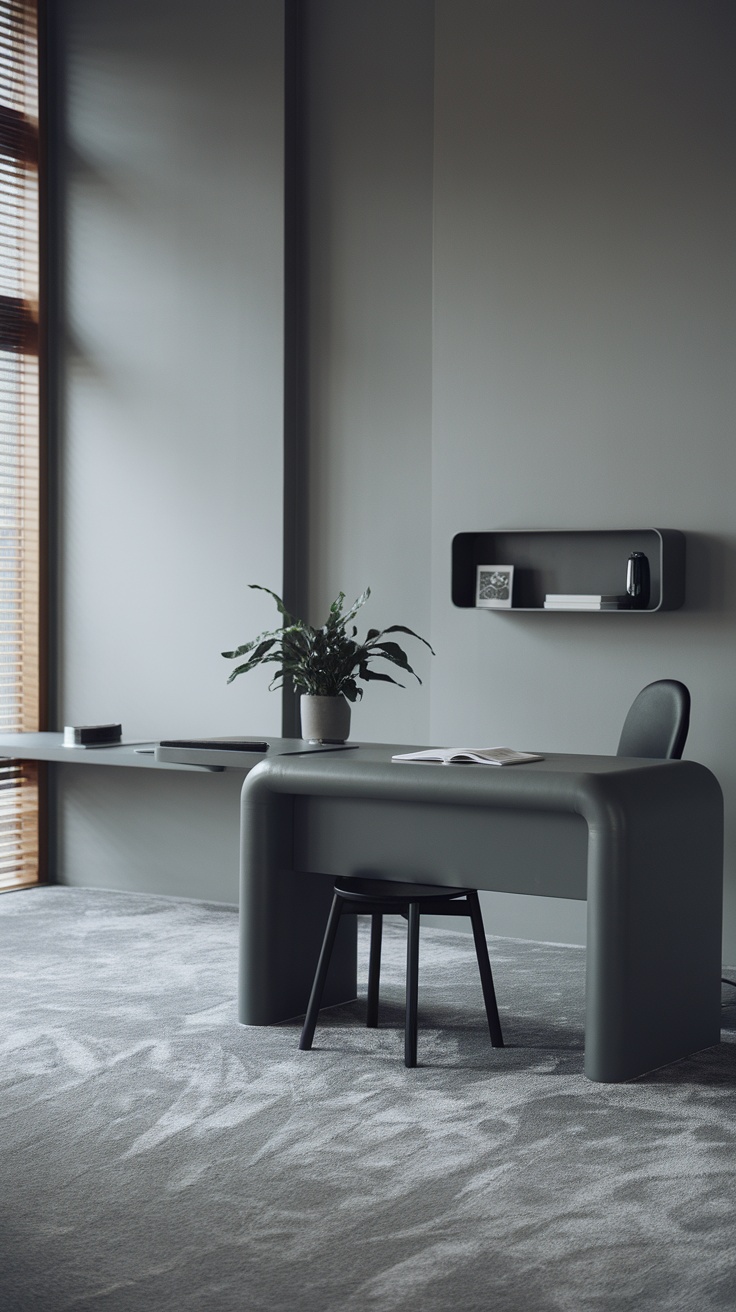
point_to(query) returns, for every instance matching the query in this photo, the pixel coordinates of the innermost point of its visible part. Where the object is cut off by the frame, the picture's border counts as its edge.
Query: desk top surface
(369, 772)
(136, 754)
(357, 762)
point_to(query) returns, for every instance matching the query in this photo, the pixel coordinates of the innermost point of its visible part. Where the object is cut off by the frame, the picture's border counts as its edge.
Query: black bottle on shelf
(637, 580)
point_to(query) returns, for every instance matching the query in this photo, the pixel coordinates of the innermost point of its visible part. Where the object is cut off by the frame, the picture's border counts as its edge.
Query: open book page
(470, 756)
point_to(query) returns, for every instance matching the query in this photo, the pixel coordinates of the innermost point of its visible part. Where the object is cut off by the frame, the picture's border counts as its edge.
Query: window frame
(23, 330)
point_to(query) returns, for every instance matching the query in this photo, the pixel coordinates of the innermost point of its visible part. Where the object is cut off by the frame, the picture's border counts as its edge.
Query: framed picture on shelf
(494, 586)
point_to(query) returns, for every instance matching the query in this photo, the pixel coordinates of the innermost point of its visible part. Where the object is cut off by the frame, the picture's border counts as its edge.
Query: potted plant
(324, 663)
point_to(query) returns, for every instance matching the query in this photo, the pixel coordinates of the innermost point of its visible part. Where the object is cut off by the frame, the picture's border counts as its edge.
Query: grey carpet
(156, 1155)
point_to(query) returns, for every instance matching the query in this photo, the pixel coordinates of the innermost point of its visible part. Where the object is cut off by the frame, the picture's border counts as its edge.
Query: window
(19, 433)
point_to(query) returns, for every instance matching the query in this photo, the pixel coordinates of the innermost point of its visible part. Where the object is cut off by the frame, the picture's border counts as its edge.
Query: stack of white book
(585, 601)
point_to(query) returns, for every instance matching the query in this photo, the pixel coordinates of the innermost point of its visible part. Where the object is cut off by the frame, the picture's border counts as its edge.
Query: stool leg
(374, 970)
(412, 986)
(484, 966)
(310, 1020)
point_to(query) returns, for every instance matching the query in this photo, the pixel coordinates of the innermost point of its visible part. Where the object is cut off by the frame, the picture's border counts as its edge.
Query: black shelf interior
(574, 561)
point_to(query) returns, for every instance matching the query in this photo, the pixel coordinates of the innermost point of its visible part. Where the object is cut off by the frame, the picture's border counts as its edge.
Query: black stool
(378, 898)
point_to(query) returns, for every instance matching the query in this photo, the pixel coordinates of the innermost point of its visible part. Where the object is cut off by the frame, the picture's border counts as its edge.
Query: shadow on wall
(710, 580)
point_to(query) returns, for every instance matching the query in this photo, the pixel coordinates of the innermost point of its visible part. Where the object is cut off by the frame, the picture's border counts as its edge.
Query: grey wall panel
(520, 227)
(583, 341)
(171, 460)
(150, 831)
(370, 290)
(171, 433)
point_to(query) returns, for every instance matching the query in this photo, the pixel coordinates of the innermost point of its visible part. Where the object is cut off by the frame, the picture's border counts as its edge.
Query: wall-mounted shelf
(572, 561)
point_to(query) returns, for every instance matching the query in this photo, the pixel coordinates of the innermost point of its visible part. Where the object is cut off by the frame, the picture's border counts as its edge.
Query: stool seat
(379, 897)
(390, 890)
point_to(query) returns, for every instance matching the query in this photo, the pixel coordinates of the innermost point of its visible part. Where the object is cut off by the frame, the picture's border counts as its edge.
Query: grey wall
(583, 211)
(172, 441)
(370, 296)
(520, 224)
(171, 432)
(583, 345)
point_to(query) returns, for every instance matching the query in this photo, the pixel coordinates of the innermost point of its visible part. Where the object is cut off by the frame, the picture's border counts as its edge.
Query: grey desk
(642, 840)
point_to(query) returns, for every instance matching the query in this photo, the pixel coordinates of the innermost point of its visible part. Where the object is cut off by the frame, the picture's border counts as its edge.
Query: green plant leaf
(391, 651)
(262, 648)
(272, 658)
(366, 672)
(376, 676)
(248, 646)
(401, 628)
(325, 661)
(359, 601)
(275, 635)
(240, 669)
(336, 609)
(279, 603)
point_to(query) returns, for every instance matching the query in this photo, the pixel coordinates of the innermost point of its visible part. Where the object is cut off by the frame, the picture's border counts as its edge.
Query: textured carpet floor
(156, 1155)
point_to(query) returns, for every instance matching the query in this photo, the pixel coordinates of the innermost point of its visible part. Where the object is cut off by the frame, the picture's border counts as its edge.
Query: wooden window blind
(19, 433)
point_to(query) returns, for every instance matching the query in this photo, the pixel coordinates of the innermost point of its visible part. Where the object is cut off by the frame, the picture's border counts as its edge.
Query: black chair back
(657, 724)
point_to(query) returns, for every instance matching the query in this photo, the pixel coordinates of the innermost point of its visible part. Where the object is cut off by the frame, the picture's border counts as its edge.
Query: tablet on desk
(218, 744)
(211, 751)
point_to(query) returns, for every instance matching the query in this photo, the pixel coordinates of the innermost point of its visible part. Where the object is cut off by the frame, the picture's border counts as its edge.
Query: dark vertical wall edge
(295, 329)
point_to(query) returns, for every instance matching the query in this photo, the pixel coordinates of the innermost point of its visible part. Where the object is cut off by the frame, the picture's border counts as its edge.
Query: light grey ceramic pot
(325, 719)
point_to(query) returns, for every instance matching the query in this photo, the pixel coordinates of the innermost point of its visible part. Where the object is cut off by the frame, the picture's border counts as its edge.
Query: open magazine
(470, 756)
